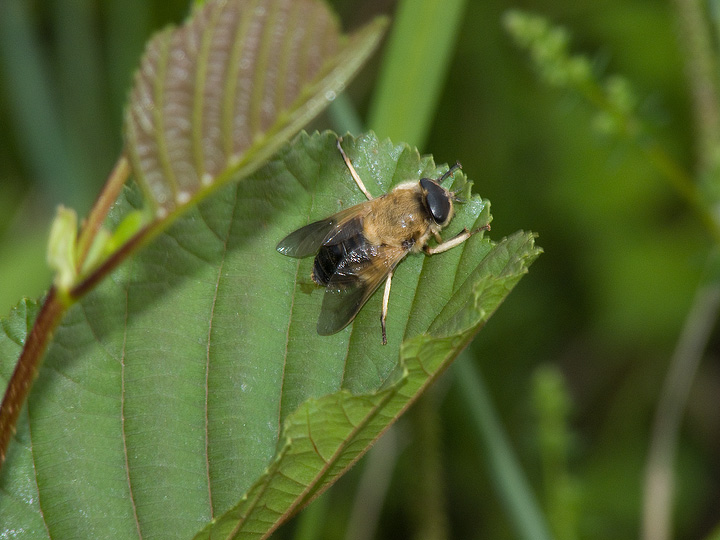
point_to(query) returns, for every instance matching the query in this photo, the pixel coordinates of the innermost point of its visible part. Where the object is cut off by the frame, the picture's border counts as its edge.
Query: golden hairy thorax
(398, 218)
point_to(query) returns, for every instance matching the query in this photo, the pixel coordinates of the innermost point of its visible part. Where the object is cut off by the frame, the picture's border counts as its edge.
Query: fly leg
(454, 241)
(383, 313)
(353, 172)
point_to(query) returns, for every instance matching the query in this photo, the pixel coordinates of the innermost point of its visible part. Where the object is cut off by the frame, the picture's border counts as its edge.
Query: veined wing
(308, 239)
(357, 277)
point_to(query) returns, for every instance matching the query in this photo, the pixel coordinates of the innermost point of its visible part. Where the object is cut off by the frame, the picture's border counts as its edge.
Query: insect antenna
(450, 171)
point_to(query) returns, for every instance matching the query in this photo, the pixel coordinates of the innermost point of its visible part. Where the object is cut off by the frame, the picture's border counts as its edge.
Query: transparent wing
(308, 239)
(357, 277)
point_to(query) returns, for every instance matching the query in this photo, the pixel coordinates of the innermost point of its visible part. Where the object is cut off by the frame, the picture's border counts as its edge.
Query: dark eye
(438, 201)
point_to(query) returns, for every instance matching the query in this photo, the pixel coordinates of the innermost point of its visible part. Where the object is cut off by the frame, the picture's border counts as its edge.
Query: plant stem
(27, 367)
(55, 305)
(505, 470)
(694, 35)
(139, 239)
(701, 62)
(685, 186)
(429, 492)
(100, 209)
(658, 488)
(372, 488)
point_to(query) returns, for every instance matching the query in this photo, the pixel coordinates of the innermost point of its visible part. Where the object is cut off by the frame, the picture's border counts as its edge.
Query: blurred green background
(605, 304)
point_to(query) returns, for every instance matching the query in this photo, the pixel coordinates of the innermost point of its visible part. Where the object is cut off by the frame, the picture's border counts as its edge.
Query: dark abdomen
(332, 255)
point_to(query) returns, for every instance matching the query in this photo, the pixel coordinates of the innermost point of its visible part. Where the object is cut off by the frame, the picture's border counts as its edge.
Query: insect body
(358, 248)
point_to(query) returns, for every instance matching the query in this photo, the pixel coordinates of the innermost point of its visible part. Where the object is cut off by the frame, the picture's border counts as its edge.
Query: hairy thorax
(398, 218)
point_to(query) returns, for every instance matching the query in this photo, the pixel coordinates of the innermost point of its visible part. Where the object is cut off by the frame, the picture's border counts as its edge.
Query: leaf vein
(260, 73)
(199, 91)
(236, 64)
(35, 474)
(159, 113)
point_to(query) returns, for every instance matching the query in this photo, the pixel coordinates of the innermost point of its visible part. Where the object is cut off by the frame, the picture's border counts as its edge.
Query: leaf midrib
(122, 413)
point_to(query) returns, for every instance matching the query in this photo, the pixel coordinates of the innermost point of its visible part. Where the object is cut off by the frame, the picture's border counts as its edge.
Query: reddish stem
(55, 306)
(100, 209)
(27, 367)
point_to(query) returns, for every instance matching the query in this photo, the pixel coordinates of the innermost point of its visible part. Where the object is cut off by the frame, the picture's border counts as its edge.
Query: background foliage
(605, 304)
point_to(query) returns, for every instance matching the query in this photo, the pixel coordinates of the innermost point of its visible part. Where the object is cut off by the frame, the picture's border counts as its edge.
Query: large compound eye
(438, 201)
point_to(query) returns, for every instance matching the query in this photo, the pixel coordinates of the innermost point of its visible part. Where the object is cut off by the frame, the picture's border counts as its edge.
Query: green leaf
(190, 395)
(215, 98)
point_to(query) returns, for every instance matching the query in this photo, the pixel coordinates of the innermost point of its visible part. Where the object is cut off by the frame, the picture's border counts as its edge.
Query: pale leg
(353, 172)
(383, 313)
(455, 241)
